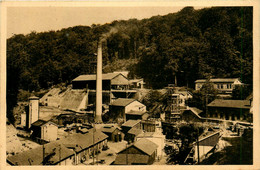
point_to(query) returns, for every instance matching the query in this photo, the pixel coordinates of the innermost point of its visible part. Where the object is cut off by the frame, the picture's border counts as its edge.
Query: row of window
(221, 86)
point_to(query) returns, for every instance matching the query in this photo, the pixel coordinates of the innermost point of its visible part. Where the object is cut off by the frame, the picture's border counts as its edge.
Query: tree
(241, 92)
(183, 136)
(204, 96)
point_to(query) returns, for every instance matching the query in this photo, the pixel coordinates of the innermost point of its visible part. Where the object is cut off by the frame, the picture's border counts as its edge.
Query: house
(109, 81)
(44, 130)
(135, 115)
(137, 83)
(121, 106)
(114, 133)
(155, 137)
(222, 85)
(142, 152)
(55, 154)
(85, 146)
(230, 110)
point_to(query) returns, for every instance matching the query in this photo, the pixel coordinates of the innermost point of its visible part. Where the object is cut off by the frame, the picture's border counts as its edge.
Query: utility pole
(126, 155)
(59, 154)
(43, 149)
(93, 144)
(198, 147)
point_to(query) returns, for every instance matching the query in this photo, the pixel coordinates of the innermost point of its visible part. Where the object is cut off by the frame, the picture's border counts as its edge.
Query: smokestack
(98, 116)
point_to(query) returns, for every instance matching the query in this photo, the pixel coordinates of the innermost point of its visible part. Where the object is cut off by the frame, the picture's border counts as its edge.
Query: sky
(23, 20)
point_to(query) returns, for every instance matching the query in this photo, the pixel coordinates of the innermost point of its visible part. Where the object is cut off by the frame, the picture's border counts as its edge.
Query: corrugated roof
(133, 112)
(218, 80)
(128, 159)
(88, 77)
(131, 123)
(122, 102)
(35, 156)
(244, 104)
(146, 146)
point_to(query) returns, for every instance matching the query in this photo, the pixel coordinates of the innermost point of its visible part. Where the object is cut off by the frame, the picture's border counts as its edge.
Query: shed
(109, 80)
(142, 152)
(131, 124)
(44, 130)
(135, 115)
(114, 133)
(121, 106)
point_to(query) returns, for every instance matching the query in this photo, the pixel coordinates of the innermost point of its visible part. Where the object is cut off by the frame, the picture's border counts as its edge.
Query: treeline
(189, 44)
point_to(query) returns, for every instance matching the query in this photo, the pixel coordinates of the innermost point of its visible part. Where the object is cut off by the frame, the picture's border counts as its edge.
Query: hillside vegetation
(189, 44)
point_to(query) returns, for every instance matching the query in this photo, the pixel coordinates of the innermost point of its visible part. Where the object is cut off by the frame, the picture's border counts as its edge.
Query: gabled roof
(146, 146)
(131, 123)
(35, 156)
(109, 129)
(244, 104)
(133, 112)
(135, 131)
(41, 122)
(122, 102)
(89, 77)
(124, 159)
(218, 80)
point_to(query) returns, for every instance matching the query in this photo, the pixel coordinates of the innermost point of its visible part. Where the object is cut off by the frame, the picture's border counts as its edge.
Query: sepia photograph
(129, 85)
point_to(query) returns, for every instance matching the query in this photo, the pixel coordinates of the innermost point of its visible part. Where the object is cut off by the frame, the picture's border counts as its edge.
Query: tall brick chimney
(98, 116)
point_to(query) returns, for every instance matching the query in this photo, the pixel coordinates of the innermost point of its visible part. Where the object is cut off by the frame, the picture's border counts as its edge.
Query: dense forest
(189, 44)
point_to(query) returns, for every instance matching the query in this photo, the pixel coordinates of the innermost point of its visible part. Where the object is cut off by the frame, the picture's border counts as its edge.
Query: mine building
(142, 152)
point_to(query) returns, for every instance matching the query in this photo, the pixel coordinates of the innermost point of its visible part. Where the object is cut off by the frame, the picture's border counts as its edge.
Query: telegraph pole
(198, 147)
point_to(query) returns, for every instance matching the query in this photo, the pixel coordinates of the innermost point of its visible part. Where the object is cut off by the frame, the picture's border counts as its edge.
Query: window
(221, 86)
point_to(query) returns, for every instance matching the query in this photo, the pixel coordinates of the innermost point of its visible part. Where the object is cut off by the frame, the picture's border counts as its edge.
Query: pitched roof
(244, 104)
(88, 77)
(135, 131)
(41, 122)
(124, 159)
(133, 112)
(122, 102)
(109, 129)
(146, 146)
(84, 140)
(218, 80)
(35, 156)
(131, 123)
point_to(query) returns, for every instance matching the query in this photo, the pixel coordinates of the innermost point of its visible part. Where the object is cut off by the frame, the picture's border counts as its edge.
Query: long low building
(86, 145)
(70, 150)
(230, 110)
(54, 154)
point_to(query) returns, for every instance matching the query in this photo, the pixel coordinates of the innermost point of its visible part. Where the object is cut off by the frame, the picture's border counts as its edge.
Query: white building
(223, 85)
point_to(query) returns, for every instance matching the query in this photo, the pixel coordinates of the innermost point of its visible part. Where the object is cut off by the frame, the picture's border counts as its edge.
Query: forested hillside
(190, 44)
